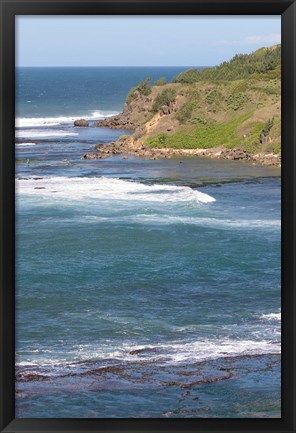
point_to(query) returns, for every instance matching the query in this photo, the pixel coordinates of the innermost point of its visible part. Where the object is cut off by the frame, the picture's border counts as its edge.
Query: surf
(77, 188)
(22, 122)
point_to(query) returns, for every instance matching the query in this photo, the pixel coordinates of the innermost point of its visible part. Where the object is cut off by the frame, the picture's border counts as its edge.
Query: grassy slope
(232, 113)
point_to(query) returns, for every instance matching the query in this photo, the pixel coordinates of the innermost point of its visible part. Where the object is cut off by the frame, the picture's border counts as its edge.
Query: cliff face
(243, 114)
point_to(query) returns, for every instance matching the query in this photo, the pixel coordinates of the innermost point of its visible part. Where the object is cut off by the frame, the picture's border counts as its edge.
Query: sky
(140, 40)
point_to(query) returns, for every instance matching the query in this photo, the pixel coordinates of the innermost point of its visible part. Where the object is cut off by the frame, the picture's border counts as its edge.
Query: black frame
(10, 8)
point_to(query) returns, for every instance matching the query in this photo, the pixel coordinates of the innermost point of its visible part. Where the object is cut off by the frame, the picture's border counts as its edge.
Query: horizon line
(115, 66)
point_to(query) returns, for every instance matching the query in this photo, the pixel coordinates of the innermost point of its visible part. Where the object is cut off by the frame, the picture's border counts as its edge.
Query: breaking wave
(78, 188)
(22, 122)
(46, 133)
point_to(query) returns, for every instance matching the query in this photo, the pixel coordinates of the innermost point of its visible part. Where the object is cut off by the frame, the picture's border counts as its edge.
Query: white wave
(164, 353)
(78, 188)
(202, 221)
(40, 134)
(205, 350)
(271, 316)
(21, 122)
(25, 144)
(166, 219)
(98, 115)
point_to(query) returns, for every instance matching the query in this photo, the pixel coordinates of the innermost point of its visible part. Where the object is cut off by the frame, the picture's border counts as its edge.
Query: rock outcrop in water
(81, 123)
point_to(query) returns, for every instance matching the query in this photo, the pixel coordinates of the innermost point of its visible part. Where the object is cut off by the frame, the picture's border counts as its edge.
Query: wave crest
(77, 188)
(46, 133)
(271, 316)
(21, 122)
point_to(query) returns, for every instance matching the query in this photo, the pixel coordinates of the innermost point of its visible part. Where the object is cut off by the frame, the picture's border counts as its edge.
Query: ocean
(144, 288)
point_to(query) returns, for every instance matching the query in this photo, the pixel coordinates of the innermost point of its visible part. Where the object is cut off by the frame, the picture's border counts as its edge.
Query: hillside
(236, 105)
(241, 66)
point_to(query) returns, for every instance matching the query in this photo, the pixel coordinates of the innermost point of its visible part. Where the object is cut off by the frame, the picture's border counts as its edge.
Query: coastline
(129, 147)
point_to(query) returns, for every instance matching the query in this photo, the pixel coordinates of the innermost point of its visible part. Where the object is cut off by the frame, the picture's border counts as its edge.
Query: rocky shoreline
(130, 149)
(134, 144)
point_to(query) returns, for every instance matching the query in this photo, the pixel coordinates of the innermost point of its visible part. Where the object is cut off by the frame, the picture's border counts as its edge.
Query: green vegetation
(236, 101)
(190, 76)
(228, 134)
(143, 88)
(236, 105)
(238, 133)
(166, 97)
(199, 120)
(240, 86)
(250, 134)
(271, 89)
(214, 97)
(267, 127)
(184, 114)
(241, 66)
(275, 135)
(160, 82)
(191, 105)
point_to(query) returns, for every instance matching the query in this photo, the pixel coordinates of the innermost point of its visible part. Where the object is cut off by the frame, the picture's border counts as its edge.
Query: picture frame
(11, 8)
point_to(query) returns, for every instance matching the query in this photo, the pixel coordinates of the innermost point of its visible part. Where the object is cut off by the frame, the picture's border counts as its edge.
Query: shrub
(160, 82)
(214, 96)
(131, 95)
(267, 127)
(185, 112)
(190, 76)
(164, 98)
(264, 62)
(236, 101)
(277, 148)
(143, 87)
(200, 121)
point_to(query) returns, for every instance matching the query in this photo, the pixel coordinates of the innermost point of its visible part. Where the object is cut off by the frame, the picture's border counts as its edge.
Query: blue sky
(140, 40)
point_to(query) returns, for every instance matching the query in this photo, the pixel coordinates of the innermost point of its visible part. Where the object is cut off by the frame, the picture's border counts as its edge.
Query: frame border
(8, 10)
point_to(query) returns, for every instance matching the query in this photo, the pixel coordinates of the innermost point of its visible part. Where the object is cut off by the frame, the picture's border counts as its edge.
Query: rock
(116, 122)
(89, 156)
(136, 351)
(165, 110)
(81, 123)
(30, 377)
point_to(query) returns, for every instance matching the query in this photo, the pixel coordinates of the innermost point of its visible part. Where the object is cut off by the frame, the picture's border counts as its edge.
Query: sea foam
(40, 134)
(271, 316)
(206, 350)
(172, 353)
(81, 188)
(22, 122)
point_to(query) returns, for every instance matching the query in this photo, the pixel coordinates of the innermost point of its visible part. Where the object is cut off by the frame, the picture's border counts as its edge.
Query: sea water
(143, 288)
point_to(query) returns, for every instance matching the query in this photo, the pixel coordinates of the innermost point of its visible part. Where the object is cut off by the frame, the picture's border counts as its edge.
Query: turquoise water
(143, 288)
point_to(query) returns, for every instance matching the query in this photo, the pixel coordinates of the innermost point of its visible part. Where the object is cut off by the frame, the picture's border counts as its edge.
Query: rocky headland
(205, 114)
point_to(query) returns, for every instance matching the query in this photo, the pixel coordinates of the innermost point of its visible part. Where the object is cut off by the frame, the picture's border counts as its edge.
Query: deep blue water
(53, 92)
(143, 288)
